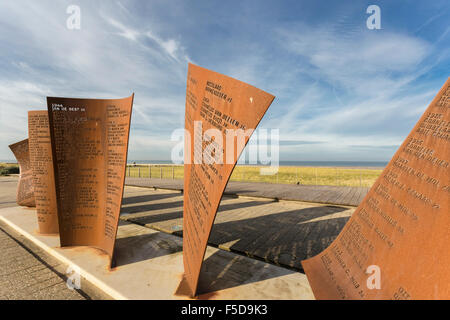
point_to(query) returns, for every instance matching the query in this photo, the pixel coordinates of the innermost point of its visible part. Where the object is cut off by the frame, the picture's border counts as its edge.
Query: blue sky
(343, 92)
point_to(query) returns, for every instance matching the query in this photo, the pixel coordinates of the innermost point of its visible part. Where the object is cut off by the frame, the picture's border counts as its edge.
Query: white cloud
(16, 98)
(339, 84)
(362, 63)
(363, 93)
(108, 58)
(171, 46)
(125, 32)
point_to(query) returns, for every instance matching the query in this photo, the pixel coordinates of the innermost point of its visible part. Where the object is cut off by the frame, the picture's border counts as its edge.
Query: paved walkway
(282, 233)
(8, 189)
(26, 276)
(347, 196)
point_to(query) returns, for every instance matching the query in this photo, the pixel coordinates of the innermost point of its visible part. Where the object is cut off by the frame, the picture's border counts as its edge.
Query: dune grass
(8, 168)
(354, 177)
(341, 176)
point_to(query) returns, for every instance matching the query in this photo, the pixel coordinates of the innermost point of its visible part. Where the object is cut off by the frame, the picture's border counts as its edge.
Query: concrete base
(150, 266)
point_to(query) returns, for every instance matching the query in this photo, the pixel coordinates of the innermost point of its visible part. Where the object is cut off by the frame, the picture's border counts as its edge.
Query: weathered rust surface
(25, 194)
(216, 102)
(89, 147)
(402, 226)
(42, 167)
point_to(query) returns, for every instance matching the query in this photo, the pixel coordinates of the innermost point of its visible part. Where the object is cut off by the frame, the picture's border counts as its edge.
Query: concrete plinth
(149, 265)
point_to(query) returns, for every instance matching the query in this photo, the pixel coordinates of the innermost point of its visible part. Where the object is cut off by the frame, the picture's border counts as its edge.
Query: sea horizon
(292, 163)
(284, 163)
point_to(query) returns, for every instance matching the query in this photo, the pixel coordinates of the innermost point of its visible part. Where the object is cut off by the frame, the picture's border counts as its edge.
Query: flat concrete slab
(150, 266)
(339, 195)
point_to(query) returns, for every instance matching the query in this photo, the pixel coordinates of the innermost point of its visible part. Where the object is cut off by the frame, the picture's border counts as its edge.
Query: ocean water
(348, 164)
(359, 164)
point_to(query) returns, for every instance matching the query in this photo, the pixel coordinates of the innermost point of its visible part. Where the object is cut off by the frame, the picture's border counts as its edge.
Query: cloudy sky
(343, 92)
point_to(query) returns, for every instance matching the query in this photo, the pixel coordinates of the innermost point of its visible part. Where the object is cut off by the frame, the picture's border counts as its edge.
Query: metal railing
(356, 177)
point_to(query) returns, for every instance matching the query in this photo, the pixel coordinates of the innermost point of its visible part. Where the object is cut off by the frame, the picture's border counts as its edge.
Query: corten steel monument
(400, 233)
(215, 105)
(89, 140)
(25, 194)
(42, 167)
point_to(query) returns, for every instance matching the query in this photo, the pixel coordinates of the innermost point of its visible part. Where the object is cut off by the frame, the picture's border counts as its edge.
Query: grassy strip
(8, 168)
(354, 177)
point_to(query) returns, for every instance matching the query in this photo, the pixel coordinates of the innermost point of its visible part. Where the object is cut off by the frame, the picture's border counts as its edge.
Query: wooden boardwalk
(340, 195)
(279, 232)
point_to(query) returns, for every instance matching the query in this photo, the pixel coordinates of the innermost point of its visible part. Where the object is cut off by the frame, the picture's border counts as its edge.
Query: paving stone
(20, 280)
(8, 188)
(43, 284)
(23, 276)
(56, 292)
(36, 268)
